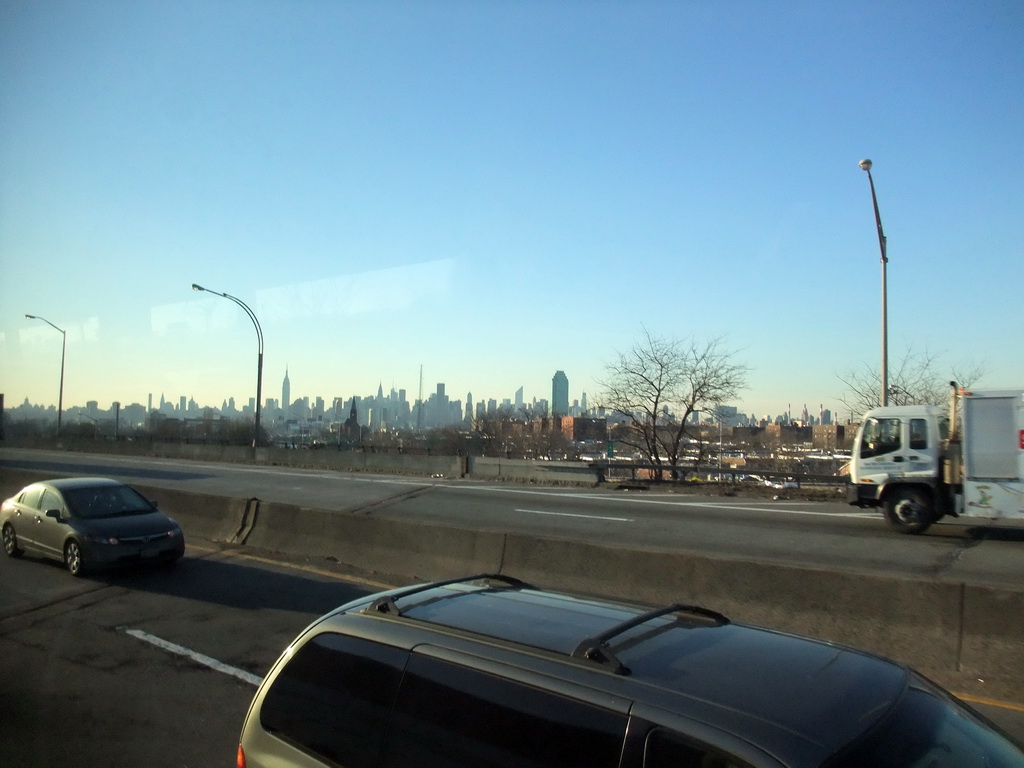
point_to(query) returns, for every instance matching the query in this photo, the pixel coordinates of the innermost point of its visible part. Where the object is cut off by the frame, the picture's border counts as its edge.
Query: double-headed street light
(259, 362)
(63, 349)
(866, 166)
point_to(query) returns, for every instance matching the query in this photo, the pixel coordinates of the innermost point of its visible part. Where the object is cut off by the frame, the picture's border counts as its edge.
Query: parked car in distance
(488, 671)
(88, 522)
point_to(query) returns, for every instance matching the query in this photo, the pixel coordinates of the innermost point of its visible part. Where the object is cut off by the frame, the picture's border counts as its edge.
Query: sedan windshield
(105, 501)
(929, 730)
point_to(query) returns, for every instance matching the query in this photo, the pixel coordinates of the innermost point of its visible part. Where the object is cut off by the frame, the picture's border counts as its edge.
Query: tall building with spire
(286, 394)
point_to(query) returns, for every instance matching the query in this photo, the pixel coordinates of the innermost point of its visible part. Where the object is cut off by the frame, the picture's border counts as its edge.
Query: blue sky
(499, 190)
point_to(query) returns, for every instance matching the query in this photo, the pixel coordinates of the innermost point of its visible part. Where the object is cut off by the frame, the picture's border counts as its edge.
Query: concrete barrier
(217, 518)
(400, 550)
(993, 633)
(522, 470)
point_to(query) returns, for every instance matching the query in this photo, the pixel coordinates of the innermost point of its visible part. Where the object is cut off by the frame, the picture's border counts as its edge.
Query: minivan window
(666, 749)
(333, 698)
(450, 716)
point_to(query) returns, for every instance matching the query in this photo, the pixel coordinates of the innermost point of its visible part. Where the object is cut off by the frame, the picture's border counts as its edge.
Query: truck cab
(896, 463)
(907, 461)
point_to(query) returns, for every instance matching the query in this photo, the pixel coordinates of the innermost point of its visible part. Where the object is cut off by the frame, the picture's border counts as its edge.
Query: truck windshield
(879, 436)
(927, 728)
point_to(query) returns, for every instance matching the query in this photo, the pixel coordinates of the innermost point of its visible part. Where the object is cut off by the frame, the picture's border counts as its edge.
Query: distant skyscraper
(559, 394)
(519, 399)
(286, 393)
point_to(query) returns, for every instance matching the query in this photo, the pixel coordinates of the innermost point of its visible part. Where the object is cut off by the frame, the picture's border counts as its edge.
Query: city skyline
(497, 191)
(518, 404)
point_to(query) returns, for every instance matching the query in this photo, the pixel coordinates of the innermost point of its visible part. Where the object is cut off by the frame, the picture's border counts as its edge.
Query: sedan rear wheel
(73, 558)
(11, 542)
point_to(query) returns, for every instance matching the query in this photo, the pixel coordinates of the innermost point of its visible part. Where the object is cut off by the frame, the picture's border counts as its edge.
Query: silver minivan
(488, 671)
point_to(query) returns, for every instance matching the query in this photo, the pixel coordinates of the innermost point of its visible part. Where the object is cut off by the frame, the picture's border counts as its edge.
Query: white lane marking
(206, 661)
(570, 514)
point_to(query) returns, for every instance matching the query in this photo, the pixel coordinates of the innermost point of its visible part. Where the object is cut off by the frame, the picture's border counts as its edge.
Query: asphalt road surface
(157, 666)
(150, 667)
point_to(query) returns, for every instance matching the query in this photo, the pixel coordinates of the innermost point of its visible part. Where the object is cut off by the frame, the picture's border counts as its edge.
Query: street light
(259, 362)
(63, 349)
(866, 166)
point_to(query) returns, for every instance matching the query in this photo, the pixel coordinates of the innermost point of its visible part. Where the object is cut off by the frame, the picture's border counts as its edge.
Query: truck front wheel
(909, 510)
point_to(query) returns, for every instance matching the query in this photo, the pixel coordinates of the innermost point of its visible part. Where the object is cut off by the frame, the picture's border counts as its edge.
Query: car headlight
(101, 539)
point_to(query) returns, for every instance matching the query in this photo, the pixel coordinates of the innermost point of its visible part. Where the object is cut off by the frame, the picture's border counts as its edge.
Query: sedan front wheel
(73, 558)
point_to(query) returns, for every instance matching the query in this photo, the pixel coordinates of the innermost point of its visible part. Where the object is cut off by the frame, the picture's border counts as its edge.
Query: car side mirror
(54, 513)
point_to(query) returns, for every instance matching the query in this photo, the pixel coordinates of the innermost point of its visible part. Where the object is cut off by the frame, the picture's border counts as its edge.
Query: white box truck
(919, 463)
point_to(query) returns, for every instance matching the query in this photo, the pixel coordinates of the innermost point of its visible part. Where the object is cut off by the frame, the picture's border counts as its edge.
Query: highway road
(151, 667)
(764, 529)
(157, 666)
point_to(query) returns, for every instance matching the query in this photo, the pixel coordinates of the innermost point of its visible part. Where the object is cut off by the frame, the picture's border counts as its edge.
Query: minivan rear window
(450, 716)
(333, 698)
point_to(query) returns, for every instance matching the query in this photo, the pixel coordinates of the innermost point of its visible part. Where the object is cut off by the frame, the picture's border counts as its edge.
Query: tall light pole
(866, 166)
(259, 360)
(63, 350)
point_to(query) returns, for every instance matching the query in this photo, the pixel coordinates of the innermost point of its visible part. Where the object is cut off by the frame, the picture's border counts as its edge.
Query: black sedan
(88, 522)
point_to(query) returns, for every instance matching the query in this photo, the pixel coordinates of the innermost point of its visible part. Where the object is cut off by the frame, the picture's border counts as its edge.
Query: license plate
(149, 552)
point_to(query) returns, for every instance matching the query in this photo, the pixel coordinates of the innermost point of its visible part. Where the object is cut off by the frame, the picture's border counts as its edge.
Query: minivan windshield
(927, 729)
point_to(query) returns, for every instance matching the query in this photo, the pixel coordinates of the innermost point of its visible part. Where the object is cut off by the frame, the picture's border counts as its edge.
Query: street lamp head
(31, 317)
(197, 287)
(865, 165)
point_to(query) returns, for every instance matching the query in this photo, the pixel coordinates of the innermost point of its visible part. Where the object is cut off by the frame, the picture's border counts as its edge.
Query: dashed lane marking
(200, 658)
(571, 514)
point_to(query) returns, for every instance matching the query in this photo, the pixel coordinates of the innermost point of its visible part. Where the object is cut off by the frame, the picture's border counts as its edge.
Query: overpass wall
(325, 458)
(573, 472)
(932, 625)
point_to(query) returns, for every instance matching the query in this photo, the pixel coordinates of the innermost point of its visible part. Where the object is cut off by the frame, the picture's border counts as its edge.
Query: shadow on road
(236, 584)
(975, 533)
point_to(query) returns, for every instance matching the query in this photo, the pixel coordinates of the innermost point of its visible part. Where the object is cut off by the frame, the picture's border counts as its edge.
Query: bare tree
(659, 383)
(915, 379)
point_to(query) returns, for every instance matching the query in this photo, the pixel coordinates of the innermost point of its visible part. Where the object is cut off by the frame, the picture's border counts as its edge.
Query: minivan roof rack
(387, 603)
(597, 648)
